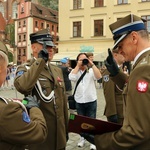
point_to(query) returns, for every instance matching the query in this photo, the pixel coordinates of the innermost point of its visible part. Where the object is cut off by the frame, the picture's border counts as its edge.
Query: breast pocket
(46, 85)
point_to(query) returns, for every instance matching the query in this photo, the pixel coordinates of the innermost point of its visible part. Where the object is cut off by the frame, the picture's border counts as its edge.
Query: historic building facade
(8, 12)
(33, 17)
(27, 16)
(84, 26)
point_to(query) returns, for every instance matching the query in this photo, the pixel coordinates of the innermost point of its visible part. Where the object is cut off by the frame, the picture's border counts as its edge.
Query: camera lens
(85, 61)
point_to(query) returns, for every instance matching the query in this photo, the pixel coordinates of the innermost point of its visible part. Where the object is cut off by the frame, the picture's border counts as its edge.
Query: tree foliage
(10, 34)
(10, 38)
(53, 4)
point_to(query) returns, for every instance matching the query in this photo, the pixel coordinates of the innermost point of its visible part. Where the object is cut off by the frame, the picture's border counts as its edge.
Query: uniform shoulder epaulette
(25, 115)
(6, 100)
(145, 60)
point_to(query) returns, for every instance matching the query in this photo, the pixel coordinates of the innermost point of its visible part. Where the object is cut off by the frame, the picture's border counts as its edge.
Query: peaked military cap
(3, 48)
(124, 26)
(42, 36)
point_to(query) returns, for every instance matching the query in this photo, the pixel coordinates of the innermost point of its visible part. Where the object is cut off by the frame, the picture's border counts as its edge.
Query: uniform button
(37, 63)
(56, 107)
(55, 87)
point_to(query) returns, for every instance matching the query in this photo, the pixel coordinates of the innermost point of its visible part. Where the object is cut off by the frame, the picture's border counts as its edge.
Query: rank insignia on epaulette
(144, 61)
(25, 117)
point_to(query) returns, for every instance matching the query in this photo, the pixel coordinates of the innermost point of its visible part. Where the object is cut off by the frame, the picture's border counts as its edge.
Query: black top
(67, 82)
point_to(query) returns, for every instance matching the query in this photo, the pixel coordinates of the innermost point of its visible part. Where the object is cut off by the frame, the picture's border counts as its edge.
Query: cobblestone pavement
(73, 138)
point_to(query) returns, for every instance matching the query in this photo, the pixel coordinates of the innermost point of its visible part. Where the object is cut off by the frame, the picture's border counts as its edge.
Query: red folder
(79, 124)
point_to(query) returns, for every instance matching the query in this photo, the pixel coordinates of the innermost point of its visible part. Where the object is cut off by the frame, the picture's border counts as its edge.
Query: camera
(85, 61)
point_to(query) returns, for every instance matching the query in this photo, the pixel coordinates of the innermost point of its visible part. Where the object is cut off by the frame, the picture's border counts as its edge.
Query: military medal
(59, 80)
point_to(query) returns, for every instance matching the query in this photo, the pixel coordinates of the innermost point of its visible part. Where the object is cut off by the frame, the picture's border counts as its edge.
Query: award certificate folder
(79, 124)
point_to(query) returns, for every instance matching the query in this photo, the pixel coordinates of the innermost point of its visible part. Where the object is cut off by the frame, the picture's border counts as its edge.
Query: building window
(14, 10)
(19, 24)
(53, 15)
(99, 3)
(42, 25)
(47, 25)
(36, 23)
(77, 29)
(76, 4)
(147, 22)
(24, 23)
(19, 58)
(40, 11)
(19, 38)
(122, 1)
(24, 37)
(19, 52)
(22, 7)
(24, 52)
(52, 27)
(98, 27)
(2, 8)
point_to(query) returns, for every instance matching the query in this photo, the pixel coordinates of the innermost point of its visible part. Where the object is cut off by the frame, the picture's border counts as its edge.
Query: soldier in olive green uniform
(113, 94)
(17, 129)
(41, 79)
(132, 40)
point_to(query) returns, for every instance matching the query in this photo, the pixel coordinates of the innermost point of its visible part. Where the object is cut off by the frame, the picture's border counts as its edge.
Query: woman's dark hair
(81, 54)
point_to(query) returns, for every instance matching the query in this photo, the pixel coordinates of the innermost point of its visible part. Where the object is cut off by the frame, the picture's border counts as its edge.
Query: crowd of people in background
(11, 69)
(9, 81)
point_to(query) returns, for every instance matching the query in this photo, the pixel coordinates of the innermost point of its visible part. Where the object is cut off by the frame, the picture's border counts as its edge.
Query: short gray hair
(143, 34)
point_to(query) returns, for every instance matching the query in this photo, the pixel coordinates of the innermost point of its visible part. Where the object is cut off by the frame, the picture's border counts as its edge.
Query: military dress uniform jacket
(135, 132)
(18, 130)
(55, 111)
(113, 97)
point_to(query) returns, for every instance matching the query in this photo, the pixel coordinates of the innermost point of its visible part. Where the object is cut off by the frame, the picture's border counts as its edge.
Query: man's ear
(134, 37)
(33, 48)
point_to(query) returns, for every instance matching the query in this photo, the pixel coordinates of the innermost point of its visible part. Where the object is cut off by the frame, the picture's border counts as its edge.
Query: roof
(44, 12)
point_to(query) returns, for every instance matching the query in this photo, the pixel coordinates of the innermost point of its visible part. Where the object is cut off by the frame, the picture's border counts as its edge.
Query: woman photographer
(85, 96)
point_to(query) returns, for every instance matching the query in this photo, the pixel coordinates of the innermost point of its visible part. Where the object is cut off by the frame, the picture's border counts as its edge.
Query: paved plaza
(73, 138)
